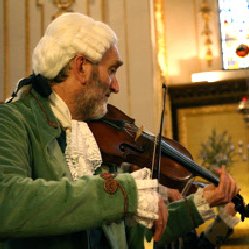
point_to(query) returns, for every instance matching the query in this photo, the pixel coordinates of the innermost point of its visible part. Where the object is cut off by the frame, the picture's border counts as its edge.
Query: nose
(114, 86)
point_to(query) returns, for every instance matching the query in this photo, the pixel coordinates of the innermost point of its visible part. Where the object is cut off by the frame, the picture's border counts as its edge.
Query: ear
(78, 68)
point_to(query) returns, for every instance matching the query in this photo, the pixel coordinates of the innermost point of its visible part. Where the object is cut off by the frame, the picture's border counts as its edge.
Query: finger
(228, 186)
(165, 216)
(178, 197)
(160, 224)
(225, 184)
(222, 191)
(210, 187)
(220, 188)
(157, 233)
(217, 170)
(234, 188)
(158, 230)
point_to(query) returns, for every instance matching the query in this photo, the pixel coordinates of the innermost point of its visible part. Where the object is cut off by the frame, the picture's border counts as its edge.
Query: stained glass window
(234, 27)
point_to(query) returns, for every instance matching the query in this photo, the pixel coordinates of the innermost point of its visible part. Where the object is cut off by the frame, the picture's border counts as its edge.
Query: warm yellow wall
(21, 25)
(185, 44)
(23, 22)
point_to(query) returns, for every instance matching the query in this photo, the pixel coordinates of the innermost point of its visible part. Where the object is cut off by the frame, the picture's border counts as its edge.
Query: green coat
(40, 207)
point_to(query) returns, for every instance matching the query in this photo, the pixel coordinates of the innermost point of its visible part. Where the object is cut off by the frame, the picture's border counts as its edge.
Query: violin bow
(160, 133)
(159, 140)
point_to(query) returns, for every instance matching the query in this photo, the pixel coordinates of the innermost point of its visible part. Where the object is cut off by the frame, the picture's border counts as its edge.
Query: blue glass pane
(234, 27)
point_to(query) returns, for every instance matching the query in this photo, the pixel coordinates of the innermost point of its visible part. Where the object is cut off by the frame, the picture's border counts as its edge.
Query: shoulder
(14, 111)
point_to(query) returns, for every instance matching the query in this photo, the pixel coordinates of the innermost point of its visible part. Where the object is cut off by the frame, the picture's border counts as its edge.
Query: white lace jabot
(82, 153)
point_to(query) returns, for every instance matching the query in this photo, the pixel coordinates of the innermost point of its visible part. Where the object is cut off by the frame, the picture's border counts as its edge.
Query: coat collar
(46, 109)
(47, 124)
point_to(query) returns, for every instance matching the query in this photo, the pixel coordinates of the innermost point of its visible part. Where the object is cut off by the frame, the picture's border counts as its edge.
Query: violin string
(187, 187)
(131, 128)
(153, 156)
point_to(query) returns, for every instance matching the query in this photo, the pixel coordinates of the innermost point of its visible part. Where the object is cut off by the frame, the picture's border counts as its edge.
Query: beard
(92, 104)
(93, 109)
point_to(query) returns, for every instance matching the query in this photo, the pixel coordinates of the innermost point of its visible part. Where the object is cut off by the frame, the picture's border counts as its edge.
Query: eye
(113, 70)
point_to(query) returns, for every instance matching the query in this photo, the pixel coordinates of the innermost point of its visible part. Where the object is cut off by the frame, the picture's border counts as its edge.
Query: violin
(120, 140)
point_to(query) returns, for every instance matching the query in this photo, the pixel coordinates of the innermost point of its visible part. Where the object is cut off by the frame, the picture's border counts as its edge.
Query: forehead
(112, 57)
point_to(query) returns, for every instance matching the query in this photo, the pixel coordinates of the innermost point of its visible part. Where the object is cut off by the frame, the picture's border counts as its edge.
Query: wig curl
(68, 35)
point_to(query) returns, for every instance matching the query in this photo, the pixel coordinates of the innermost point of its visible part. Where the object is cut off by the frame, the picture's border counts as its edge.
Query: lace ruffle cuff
(148, 197)
(231, 221)
(202, 205)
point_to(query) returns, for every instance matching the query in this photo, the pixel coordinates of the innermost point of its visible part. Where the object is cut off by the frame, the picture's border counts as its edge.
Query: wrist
(202, 205)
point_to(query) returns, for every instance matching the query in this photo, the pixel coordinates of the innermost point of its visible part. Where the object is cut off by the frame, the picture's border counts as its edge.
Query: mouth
(108, 94)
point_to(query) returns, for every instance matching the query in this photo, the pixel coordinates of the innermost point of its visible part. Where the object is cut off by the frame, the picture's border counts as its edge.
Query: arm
(223, 225)
(46, 207)
(189, 214)
(183, 217)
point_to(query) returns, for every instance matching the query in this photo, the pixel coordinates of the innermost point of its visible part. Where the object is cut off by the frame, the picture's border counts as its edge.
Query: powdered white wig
(67, 35)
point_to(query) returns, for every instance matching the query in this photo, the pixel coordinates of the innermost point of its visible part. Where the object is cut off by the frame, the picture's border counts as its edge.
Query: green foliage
(217, 151)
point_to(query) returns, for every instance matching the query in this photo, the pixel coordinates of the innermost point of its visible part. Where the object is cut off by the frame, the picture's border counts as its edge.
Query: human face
(100, 84)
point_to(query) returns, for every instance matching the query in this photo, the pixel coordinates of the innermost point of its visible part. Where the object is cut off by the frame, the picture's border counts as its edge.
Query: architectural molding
(27, 38)
(198, 95)
(6, 42)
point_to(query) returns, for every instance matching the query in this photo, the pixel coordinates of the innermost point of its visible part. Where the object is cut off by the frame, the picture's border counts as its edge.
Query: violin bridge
(139, 132)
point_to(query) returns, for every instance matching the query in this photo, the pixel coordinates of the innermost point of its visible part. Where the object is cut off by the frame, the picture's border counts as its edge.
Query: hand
(224, 192)
(229, 208)
(174, 195)
(161, 223)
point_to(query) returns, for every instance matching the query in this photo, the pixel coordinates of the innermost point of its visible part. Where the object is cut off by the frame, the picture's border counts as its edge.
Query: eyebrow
(119, 63)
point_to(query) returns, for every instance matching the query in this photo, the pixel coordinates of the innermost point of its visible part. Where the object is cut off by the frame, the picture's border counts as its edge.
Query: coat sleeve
(217, 232)
(41, 207)
(182, 218)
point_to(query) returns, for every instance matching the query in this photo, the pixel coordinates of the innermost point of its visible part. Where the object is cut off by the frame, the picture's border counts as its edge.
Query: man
(50, 195)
